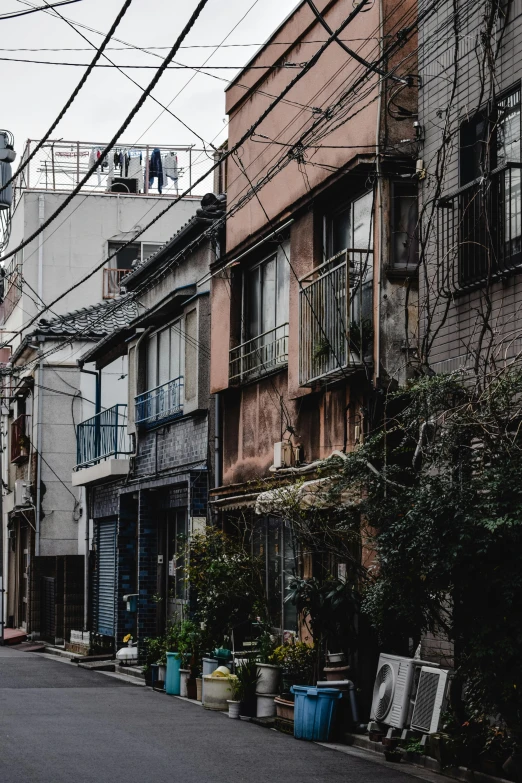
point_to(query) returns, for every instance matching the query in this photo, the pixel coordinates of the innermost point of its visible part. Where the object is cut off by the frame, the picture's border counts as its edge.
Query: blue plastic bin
(173, 678)
(314, 711)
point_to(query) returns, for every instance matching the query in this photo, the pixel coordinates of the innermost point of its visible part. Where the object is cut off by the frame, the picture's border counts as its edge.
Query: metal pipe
(217, 442)
(39, 452)
(41, 218)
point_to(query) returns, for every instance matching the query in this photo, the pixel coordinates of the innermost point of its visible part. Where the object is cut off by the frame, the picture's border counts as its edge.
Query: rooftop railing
(60, 165)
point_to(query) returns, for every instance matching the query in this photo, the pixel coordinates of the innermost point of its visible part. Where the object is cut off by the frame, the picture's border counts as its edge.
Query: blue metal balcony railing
(103, 436)
(163, 402)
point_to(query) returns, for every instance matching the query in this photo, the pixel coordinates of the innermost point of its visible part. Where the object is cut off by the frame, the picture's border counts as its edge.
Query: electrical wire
(74, 94)
(15, 14)
(104, 153)
(241, 141)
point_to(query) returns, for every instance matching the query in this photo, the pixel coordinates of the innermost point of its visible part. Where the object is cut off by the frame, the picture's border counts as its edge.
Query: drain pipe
(217, 441)
(39, 450)
(97, 409)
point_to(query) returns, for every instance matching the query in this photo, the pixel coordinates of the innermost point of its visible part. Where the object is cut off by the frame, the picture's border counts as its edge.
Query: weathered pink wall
(320, 87)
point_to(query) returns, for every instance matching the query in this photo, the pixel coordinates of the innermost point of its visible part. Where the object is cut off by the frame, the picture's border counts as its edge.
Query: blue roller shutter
(106, 577)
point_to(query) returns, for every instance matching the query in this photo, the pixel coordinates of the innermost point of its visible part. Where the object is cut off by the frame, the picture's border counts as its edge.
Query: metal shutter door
(106, 577)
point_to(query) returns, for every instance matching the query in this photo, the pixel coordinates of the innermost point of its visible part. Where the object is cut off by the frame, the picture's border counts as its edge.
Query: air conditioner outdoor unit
(430, 700)
(21, 494)
(283, 454)
(393, 691)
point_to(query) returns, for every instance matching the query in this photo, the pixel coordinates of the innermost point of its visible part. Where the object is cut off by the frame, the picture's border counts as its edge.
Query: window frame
(409, 268)
(155, 335)
(279, 259)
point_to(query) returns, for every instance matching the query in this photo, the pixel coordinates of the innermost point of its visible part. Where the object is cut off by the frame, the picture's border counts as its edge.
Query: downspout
(217, 441)
(41, 217)
(378, 265)
(39, 290)
(218, 451)
(97, 407)
(39, 450)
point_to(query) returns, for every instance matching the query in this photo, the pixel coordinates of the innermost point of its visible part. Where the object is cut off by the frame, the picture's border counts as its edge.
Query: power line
(179, 66)
(15, 14)
(121, 129)
(75, 92)
(227, 154)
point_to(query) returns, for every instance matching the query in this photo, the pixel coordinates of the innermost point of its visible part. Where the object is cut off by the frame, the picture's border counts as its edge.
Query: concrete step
(100, 666)
(131, 671)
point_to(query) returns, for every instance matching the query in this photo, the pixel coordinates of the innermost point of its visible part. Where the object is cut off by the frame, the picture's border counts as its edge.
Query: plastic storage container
(314, 711)
(209, 665)
(173, 678)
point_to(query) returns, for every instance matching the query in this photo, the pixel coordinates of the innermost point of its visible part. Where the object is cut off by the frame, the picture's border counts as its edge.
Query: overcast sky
(32, 95)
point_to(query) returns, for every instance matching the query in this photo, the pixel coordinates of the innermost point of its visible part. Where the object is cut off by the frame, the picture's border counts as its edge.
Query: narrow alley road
(61, 724)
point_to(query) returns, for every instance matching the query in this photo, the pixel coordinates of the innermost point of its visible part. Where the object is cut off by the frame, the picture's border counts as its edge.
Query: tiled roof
(91, 323)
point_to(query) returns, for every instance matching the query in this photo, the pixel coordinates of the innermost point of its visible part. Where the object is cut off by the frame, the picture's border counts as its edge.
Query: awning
(309, 494)
(233, 502)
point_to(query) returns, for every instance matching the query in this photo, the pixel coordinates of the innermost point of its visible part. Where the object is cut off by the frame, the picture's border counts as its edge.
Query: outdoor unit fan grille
(383, 694)
(425, 701)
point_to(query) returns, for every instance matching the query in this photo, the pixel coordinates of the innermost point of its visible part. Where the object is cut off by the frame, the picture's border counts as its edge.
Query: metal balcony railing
(163, 402)
(112, 282)
(479, 231)
(104, 436)
(261, 355)
(19, 439)
(334, 334)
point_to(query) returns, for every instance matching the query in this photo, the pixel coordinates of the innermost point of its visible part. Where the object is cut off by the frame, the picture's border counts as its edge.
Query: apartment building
(146, 463)
(81, 257)
(314, 301)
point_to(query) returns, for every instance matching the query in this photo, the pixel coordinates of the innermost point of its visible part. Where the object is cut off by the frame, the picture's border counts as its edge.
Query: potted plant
(234, 703)
(154, 648)
(247, 678)
(269, 671)
(297, 660)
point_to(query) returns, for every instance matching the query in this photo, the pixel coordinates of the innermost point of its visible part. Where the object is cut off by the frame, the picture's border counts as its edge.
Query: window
(350, 227)
(164, 362)
(264, 346)
(404, 215)
(126, 255)
(266, 295)
(165, 355)
(487, 211)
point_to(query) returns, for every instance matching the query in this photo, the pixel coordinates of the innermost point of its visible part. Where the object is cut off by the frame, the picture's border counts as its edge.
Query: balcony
(335, 335)
(260, 356)
(112, 282)
(479, 231)
(163, 402)
(103, 437)
(19, 439)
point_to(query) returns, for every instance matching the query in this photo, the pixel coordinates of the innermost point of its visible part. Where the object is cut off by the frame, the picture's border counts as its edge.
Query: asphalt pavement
(62, 724)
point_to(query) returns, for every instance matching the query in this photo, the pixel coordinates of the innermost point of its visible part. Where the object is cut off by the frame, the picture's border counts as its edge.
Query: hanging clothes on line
(134, 169)
(95, 155)
(170, 168)
(156, 169)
